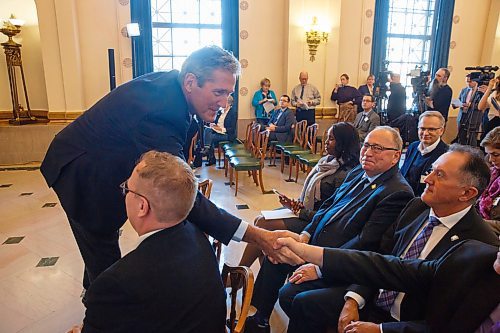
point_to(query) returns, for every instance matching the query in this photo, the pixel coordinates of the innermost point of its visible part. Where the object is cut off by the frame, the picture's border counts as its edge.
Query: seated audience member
(260, 98)
(305, 97)
(355, 217)
(440, 93)
(367, 120)
(465, 97)
(346, 97)
(421, 154)
(366, 89)
(491, 100)
(457, 291)
(282, 122)
(222, 129)
(396, 104)
(342, 149)
(489, 207)
(426, 229)
(157, 287)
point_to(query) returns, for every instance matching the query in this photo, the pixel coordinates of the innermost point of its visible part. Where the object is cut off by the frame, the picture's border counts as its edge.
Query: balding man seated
(171, 281)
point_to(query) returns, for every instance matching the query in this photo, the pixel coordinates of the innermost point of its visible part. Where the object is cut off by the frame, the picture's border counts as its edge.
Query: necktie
(339, 206)
(387, 297)
(302, 92)
(469, 94)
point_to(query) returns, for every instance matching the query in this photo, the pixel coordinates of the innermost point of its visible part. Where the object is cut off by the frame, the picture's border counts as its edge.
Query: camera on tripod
(381, 80)
(483, 75)
(419, 80)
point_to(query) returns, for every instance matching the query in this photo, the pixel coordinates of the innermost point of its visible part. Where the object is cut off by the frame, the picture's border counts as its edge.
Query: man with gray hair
(156, 287)
(88, 159)
(421, 154)
(440, 93)
(355, 217)
(305, 97)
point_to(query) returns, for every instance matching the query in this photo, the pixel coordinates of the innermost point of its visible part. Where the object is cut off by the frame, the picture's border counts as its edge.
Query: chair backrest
(262, 146)
(191, 149)
(300, 132)
(323, 143)
(254, 138)
(248, 134)
(239, 277)
(311, 133)
(205, 187)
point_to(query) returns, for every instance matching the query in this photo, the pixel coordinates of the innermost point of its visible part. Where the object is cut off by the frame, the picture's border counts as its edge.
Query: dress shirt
(220, 122)
(146, 235)
(447, 222)
(426, 150)
(311, 93)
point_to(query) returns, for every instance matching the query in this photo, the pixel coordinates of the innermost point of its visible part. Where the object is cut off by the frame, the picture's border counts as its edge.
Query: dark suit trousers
(309, 115)
(99, 251)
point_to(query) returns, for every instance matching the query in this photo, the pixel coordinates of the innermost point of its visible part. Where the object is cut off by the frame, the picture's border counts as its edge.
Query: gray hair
(169, 184)
(396, 138)
(475, 171)
(203, 62)
(436, 114)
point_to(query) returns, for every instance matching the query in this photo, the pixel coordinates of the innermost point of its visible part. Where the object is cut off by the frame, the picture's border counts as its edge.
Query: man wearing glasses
(421, 154)
(355, 217)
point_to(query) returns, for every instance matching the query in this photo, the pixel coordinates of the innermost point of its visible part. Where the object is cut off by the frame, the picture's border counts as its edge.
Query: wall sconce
(314, 38)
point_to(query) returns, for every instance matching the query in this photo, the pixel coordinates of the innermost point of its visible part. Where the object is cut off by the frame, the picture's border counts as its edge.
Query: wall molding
(44, 114)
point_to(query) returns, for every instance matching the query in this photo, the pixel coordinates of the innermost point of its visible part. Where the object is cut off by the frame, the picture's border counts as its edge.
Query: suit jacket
(361, 224)
(411, 220)
(87, 160)
(157, 287)
(411, 154)
(365, 127)
(396, 105)
(456, 292)
(463, 98)
(284, 125)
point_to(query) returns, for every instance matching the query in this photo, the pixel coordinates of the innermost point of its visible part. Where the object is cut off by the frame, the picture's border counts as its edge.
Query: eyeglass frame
(376, 148)
(125, 190)
(429, 129)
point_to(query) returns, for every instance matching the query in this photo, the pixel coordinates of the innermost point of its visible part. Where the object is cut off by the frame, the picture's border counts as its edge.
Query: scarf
(311, 192)
(490, 194)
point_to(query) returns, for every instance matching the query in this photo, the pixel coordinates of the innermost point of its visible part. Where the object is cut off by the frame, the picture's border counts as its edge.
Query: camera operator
(440, 93)
(491, 100)
(396, 106)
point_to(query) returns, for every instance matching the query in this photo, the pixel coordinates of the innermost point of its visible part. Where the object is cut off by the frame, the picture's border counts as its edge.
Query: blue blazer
(284, 126)
(88, 160)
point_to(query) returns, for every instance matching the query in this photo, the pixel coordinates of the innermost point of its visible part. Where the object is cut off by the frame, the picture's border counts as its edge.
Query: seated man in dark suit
(426, 229)
(157, 286)
(355, 217)
(367, 120)
(458, 291)
(223, 128)
(282, 122)
(421, 154)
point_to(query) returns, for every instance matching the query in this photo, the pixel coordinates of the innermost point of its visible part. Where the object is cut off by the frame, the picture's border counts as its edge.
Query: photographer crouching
(440, 93)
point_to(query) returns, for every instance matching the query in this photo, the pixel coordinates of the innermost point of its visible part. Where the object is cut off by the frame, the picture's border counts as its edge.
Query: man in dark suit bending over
(91, 157)
(157, 287)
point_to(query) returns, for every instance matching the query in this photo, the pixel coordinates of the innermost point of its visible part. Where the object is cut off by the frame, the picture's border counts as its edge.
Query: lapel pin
(454, 238)
(374, 186)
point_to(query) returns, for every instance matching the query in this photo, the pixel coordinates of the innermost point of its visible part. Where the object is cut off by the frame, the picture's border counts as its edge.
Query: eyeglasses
(377, 149)
(429, 129)
(125, 190)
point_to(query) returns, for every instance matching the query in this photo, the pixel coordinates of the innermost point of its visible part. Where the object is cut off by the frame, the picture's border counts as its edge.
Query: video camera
(419, 80)
(484, 74)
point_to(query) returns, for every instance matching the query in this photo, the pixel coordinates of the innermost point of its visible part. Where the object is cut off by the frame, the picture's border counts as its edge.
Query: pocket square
(454, 238)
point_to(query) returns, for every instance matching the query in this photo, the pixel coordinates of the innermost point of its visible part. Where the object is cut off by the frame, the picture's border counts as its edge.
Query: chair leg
(282, 161)
(297, 165)
(225, 166)
(261, 182)
(254, 175)
(236, 192)
(218, 155)
(231, 176)
(291, 161)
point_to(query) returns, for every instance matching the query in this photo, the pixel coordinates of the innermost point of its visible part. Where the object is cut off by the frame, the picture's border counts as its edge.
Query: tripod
(470, 123)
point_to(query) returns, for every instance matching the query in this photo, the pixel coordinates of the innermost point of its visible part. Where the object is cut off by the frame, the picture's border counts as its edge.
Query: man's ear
(469, 194)
(190, 81)
(143, 208)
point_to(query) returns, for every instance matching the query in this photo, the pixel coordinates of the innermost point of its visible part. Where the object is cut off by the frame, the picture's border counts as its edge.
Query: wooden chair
(247, 150)
(191, 149)
(298, 141)
(239, 277)
(308, 148)
(308, 161)
(205, 187)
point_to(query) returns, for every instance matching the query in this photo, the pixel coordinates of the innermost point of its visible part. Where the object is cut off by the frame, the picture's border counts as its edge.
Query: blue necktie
(387, 297)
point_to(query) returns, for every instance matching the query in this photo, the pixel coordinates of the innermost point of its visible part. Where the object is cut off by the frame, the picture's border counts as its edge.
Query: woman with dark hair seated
(342, 149)
(489, 202)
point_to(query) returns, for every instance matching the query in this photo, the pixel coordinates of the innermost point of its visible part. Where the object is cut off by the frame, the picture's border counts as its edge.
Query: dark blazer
(157, 287)
(396, 105)
(411, 154)
(456, 292)
(463, 98)
(284, 126)
(87, 160)
(412, 218)
(365, 127)
(361, 224)
(229, 123)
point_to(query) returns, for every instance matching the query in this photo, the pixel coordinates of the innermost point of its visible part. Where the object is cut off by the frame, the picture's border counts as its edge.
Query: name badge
(422, 177)
(496, 201)
(366, 119)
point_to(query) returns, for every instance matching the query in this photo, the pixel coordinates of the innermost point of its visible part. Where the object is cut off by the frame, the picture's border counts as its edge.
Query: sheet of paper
(268, 106)
(278, 214)
(456, 102)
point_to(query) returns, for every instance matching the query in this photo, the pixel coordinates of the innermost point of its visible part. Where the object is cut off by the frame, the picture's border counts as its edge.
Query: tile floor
(41, 268)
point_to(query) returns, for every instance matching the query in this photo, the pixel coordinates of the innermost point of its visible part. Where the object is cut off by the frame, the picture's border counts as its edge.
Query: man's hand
(429, 102)
(272, 127)
(276, 253)
(303, 274)
(349, 314)
(362, 327)
(482, 88)
(76, 329)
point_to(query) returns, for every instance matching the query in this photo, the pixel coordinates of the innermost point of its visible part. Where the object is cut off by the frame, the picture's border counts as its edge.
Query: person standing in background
(305, 97)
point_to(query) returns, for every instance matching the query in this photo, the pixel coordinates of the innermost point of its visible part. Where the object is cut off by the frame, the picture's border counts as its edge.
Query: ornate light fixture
(314, 37)
(10, 28)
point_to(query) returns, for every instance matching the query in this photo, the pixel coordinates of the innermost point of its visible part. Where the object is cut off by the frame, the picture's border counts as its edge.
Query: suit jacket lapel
(409, 232)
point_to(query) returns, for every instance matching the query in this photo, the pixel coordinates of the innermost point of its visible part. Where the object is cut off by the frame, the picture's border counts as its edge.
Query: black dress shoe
(251, 326)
